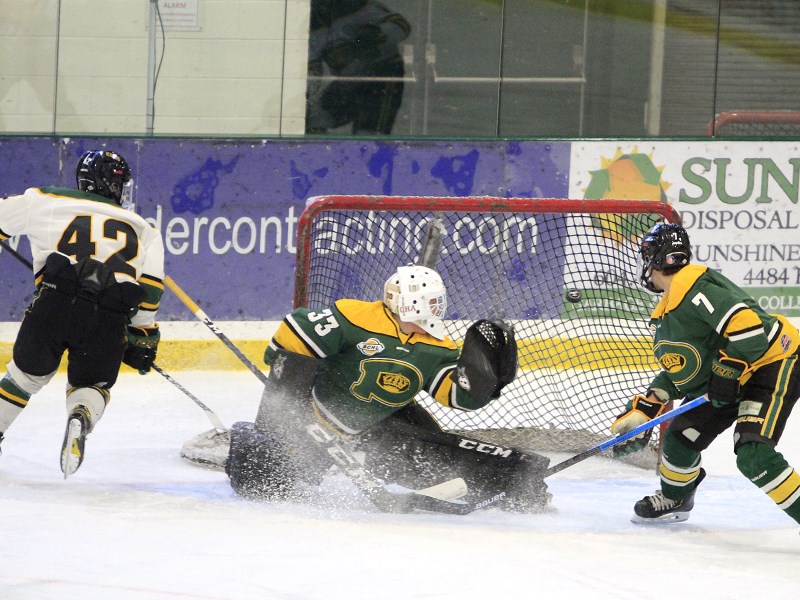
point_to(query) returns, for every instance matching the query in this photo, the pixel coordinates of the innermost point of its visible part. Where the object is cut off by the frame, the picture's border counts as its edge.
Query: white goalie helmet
(417, 295)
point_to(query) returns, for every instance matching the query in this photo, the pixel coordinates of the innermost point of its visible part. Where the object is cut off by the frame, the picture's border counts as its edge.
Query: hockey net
(750, 123)
(563, 272)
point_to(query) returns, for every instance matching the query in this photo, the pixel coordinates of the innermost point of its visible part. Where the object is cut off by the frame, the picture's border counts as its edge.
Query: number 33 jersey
(369, 368)
(80, 225)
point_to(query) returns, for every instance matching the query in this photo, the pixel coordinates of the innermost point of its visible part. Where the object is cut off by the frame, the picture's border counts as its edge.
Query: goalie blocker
(276, 458)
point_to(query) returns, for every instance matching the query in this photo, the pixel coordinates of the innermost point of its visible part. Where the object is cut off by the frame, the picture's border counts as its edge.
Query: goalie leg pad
(258, 465)
(291, 377)
(407, 451)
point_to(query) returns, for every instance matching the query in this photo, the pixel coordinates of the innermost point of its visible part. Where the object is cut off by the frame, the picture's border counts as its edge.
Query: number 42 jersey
(80, 225)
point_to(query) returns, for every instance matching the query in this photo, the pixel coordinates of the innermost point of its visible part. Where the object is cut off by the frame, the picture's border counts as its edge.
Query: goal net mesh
(563, 272)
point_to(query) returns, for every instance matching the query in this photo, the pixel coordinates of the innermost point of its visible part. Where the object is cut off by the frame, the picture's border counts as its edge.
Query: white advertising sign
(737, 200)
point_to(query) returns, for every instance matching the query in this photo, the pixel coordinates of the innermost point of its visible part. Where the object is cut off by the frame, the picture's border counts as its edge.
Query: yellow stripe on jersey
(681, 284)
(286, 338)
(374, 317)
(743, 320)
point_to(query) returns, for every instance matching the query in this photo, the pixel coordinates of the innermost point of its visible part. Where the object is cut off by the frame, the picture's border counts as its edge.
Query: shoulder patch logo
(371, 347)
(786, 342)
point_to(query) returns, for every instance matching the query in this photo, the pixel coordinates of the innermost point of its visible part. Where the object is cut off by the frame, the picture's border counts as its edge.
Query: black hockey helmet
(105, 173)
(664, 248)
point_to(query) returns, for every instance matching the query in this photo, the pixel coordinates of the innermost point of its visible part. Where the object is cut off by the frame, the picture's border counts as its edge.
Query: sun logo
(631, 176)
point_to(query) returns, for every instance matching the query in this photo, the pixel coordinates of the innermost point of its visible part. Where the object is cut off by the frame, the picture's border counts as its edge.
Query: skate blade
(670, 518)
(71, 453)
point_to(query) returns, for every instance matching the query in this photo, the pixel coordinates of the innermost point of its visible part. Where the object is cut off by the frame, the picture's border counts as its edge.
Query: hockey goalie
(342, 384)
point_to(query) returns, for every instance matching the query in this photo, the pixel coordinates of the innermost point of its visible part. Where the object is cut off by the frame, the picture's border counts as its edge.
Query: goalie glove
(723, 384)
(639, 411)
(488, 361)
(141, 351)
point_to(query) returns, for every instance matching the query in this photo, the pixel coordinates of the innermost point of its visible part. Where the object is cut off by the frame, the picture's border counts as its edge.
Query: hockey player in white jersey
(98, 269)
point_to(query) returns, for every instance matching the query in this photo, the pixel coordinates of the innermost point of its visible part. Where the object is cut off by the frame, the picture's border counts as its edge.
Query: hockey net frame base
(562, 271)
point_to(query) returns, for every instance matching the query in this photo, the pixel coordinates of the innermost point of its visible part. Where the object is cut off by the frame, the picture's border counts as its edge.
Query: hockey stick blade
(436, 498)
(448, 490)
(667, 416)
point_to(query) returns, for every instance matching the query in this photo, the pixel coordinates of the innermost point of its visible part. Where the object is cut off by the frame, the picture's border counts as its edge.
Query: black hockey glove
(488, 360)
(723, 384)
(638, 411)
(141, 351)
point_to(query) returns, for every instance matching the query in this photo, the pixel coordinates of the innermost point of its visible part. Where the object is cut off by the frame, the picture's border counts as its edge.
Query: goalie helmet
(417, 295)
(664, 248)
(107, 174)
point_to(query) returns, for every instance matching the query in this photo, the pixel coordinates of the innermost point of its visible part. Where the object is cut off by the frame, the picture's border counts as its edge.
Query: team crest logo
(673, 363)
(371, 347)
(393, 382)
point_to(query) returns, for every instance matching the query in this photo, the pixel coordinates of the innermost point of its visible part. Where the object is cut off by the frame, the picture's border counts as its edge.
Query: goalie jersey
(368, 367)
(702, 313)
(79, 225)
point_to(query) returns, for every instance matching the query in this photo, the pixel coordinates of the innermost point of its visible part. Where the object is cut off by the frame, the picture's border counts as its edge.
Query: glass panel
(543, 68)
(27, 65)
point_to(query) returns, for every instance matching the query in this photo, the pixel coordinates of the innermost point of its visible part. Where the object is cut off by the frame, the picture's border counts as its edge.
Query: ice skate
(74, 441)
(660, 509)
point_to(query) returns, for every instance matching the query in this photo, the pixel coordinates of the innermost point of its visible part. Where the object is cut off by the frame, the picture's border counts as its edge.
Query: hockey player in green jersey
(712, 338)
(356, 368)
(98, 269)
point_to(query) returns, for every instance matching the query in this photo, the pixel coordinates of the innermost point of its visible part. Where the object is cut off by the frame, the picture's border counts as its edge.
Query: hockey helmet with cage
(107, 174)
(664, 248)
(417, 295)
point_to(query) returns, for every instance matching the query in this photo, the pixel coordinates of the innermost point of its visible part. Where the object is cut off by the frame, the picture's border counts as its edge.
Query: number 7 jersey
(80, 225)
(705, 313)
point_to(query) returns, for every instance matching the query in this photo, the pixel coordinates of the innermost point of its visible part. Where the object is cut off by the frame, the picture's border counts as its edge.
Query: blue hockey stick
(686, 406)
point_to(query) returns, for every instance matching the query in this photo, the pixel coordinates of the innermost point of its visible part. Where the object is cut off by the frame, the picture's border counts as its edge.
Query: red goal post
(755, 123)
(563, 272)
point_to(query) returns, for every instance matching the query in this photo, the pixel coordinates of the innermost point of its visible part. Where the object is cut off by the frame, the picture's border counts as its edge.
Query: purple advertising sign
(228, 209)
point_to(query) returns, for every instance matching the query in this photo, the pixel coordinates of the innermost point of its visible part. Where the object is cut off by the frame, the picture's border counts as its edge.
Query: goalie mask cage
(754, 123)
(563, 272)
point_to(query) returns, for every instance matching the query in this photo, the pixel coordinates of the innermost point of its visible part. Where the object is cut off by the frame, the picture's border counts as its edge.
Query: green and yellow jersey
(368, 367)
(703, 315)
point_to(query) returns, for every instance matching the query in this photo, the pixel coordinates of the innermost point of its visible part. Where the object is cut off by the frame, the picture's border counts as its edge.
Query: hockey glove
(723, 385)
(638, 411)
(141, 351)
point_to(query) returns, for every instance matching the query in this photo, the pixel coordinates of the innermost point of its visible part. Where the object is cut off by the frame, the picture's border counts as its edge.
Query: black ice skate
(660, 509)
(74, 441)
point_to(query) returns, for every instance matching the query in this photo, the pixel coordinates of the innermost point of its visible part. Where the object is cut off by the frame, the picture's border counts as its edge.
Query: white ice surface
(136, 522)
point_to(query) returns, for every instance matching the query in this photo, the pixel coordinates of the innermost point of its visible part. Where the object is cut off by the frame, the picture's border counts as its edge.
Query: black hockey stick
(215, 421)
(16, 254)
(198, 312)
